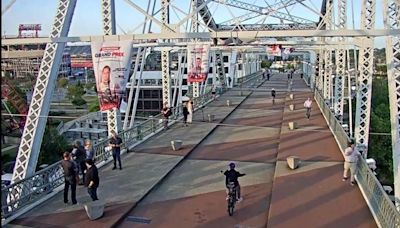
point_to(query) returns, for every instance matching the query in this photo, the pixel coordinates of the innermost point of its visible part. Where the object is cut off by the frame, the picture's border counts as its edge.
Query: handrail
(382, 208)
(20, 194)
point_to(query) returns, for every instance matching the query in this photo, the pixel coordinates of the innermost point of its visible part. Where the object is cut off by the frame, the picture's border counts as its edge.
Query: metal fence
(382, 208)
(20, 194)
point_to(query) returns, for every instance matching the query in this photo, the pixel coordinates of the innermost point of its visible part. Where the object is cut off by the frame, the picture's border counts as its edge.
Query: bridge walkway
(184, 188)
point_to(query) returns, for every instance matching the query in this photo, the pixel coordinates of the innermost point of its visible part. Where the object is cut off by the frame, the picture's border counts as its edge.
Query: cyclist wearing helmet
(273, 93)
(232, 176)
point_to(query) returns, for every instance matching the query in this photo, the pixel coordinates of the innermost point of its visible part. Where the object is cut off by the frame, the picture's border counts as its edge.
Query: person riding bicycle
(273, 93)
(232, 176)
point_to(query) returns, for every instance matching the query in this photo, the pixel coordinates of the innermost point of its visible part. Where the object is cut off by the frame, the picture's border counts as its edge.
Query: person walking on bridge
(307, 105)
(92, 179)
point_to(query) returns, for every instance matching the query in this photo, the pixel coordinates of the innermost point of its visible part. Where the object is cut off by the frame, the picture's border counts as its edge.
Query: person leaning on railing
(351, 156)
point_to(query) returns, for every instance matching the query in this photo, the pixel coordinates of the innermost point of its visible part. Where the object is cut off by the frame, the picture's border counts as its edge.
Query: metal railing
(382, 208)
(21, 194)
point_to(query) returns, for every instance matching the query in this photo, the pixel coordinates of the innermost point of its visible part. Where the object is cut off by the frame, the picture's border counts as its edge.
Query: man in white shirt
(350, 162)
(307, 105)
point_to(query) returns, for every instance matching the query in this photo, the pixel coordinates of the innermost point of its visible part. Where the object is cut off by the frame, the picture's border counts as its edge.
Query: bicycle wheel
(231, 207)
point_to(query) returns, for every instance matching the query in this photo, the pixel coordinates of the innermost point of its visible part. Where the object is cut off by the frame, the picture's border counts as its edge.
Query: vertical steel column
(327, 91)
(108, 17)
(318, 66)
(32, 136)
(340, 59)
(166, 79)
(364, 81)
(391, 17)
(195, 28)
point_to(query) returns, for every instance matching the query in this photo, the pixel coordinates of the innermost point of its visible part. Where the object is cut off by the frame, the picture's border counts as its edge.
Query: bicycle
(231, 198)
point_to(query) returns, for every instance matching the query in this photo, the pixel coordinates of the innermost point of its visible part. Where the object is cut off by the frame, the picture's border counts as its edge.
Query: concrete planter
(291, 96)
(228, 102)
(291, 107)
(211, 117)
(293, 162)
(94, 209)
(292, 125)
(176, 144)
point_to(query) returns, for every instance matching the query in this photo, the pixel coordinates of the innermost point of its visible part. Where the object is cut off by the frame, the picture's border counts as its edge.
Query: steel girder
(108, 16)
(32, 136)
(364, 81)
(391, 16)
(340, 59)
(166, 79)
(319, 73)
(266, 10)
(327, 91)
(195, 28)
(108, 22)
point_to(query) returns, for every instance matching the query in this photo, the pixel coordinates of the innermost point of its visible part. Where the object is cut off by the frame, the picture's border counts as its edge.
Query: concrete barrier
(291, 96)
(293, 162)
(292, 125)
(176, 144)
(94, 209)
(228, 102)
(211, 117)
(291, 107)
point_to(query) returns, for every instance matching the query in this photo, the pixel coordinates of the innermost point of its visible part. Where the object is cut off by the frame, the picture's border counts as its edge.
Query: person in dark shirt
(79, 155)
(273, 94)
(232, 175)
(92, 179)
(115, 144)
(185, 112)
(70, 176)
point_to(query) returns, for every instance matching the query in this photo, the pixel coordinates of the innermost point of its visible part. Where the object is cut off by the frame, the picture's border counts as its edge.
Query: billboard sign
(111, 65)
(198, 62)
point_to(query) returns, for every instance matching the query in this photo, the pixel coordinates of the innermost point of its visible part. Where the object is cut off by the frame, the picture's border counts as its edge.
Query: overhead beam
(209, 35)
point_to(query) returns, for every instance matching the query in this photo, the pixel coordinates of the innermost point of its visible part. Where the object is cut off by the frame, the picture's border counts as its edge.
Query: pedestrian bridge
(160, 187)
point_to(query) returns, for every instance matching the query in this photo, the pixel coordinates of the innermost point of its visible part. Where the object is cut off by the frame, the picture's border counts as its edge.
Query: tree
(266, 64)
(94, 106)
(53, 146)
(380, 147)
(75, 94)
(62, 82)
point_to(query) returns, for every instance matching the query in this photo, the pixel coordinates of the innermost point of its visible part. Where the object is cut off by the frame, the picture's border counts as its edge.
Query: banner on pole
(198, 62)
(274, 50)
(111, 65)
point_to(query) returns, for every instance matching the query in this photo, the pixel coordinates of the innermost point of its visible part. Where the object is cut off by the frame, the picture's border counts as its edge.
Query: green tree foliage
(62, 82)
(266, 64)
(78, 101)
(380, 146)
(94, 106)
(75, 93)
(53, 146)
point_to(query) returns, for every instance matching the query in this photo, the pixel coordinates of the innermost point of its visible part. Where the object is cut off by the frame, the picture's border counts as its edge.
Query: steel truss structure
(364, 80)
(244, 32)
(31, 140)
(391, 16)
(340, 60)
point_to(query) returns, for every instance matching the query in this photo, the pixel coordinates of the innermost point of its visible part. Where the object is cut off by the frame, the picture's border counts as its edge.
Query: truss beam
(391, 19)
(364, 80)
(273, 12)
(340, 59)
(32, 136)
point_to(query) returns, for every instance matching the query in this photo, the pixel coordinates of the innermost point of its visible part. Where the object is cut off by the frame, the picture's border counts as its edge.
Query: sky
(87, 17)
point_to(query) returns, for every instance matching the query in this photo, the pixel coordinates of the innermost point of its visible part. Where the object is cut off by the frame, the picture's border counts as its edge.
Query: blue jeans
(117, 156)
(93, 193)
